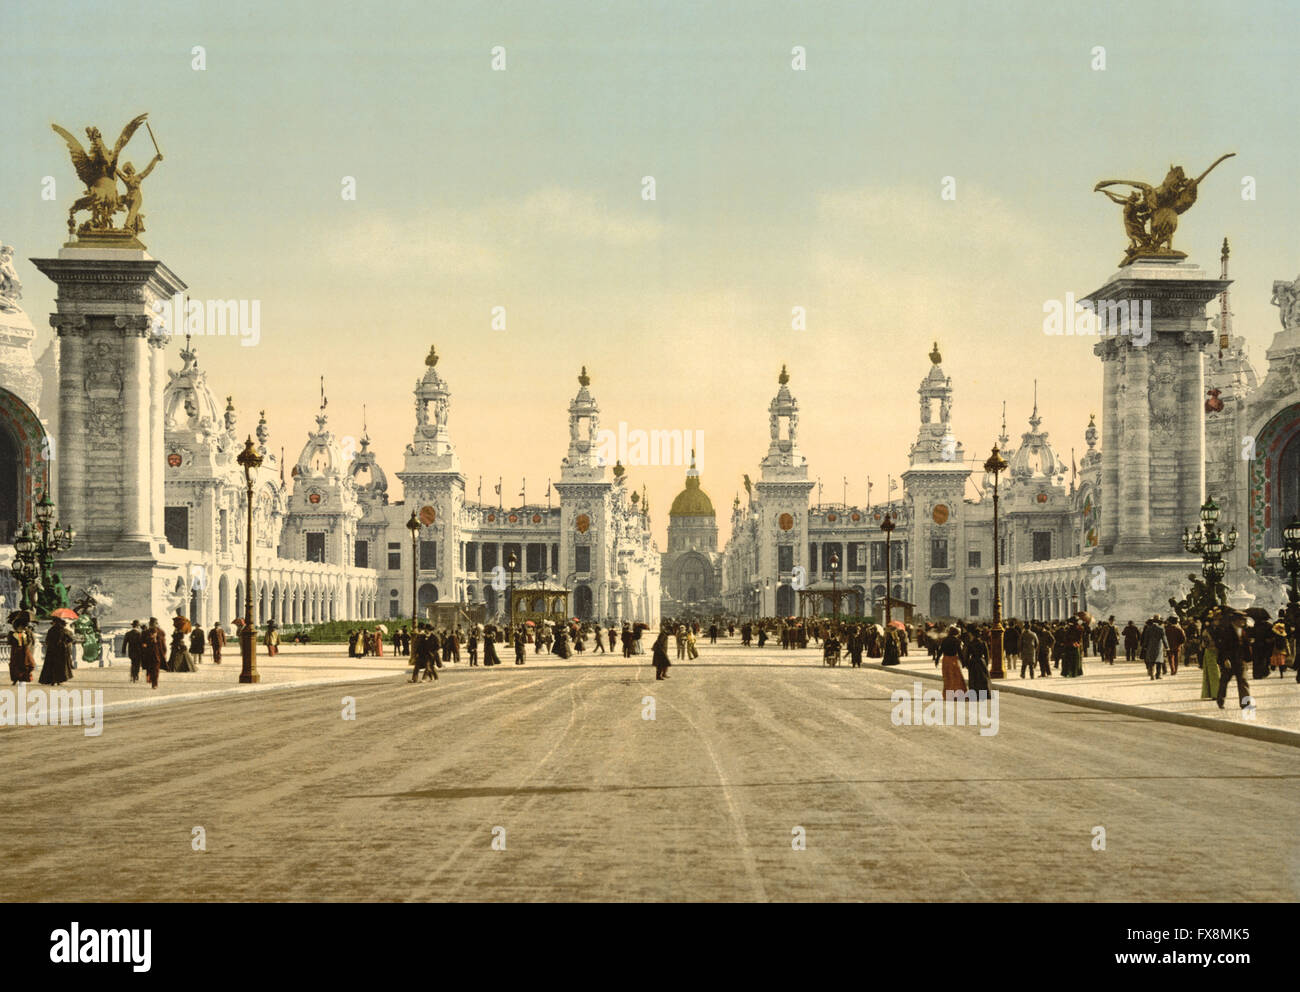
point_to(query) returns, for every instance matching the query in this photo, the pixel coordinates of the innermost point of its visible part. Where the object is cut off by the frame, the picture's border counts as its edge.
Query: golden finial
(935, 357)
(784, 377)
(583, 378)
(432, 359)
(619, 470)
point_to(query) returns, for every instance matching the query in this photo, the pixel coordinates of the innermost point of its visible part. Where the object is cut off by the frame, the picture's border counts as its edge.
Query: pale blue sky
(775, 188)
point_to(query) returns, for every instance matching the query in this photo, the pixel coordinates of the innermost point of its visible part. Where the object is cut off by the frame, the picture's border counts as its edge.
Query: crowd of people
(1224, 646)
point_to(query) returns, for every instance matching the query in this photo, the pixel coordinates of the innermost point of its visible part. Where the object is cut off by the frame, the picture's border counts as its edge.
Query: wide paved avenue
(596, 802)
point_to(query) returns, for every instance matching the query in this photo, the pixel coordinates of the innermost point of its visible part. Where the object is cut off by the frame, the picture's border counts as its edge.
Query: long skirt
(1210, 674)
(1071, 662)
(953, 679)
(180, 661)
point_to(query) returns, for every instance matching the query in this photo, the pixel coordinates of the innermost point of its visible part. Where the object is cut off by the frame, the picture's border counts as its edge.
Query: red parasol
(65, 613)
(898, 624)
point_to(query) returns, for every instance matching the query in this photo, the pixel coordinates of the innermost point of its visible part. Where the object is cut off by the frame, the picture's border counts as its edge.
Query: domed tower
(323, 509)
(434, 489)
(368, 478)
(690, 571)
(934, 485)
(692, 523)
(781, 507)
(200, 472)
(593, 516)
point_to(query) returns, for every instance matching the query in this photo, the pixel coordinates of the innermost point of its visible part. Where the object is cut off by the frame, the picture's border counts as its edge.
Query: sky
(774, 188)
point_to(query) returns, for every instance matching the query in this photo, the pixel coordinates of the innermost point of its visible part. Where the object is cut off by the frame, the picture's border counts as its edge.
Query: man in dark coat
(1154, 646)
(217, 639)
(1131, 638)
(1045, 644)
(133, 643)
(519, 646)
(196, 643)
(1233, 646)
(155, 650)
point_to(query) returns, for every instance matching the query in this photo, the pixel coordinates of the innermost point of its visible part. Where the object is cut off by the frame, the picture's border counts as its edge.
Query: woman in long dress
(976, 661)
(490, 648)
(180, 660)
(1209, 664)
(950, 662)
(59, 641)
(22, 656)
(891, 650)
(659, 656)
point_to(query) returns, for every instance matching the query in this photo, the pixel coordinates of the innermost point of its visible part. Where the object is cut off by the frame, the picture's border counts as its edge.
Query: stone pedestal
(110, 440)
(1153, 432)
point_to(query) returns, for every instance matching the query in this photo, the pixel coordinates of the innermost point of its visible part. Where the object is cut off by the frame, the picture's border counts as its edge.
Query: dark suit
(133, 642)
(1233, 650)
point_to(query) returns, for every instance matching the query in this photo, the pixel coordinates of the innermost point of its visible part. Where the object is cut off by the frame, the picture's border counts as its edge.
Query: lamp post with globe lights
(250, 459)
(413, 525)
(1209, 541)
(835, 570)
(34, 551)
(887, 525)
(995, 465)
(512, 563)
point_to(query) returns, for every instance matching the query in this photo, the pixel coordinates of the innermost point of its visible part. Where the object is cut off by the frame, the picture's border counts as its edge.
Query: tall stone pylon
(1153, 431)
(110, 435)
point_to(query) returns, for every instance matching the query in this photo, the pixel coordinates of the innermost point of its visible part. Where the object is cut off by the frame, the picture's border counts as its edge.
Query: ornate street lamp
(1291, 554)
(413, 525)
(1209, 542)
(34, 552)
(835, 568)
(250, 458)
(995, 465)
(511, 564)
(887, 525)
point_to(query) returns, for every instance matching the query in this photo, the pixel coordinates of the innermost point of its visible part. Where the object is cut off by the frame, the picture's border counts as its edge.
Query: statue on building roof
(1150, 213)
(11, 287)
(98, 169)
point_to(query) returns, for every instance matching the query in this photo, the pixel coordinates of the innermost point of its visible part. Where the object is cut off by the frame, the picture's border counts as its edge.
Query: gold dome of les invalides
(692, 501)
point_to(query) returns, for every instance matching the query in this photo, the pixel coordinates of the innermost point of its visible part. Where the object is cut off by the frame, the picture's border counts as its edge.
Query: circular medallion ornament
(831, 517)
(785, 521)
(940, 514)
(537, 518)
(855, 516)
(313, 498)
(514, 518)
(428, 515)
(1041, 497)
(492, 518)
(583, 523)
(876, 515)
(174, 460)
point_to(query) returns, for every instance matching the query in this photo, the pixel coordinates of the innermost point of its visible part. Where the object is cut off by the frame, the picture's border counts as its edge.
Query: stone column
(70, 446)
(137, 381)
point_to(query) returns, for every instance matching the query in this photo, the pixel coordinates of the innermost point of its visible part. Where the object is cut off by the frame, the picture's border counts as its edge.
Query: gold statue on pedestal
(97, 168)
(1151, 212)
